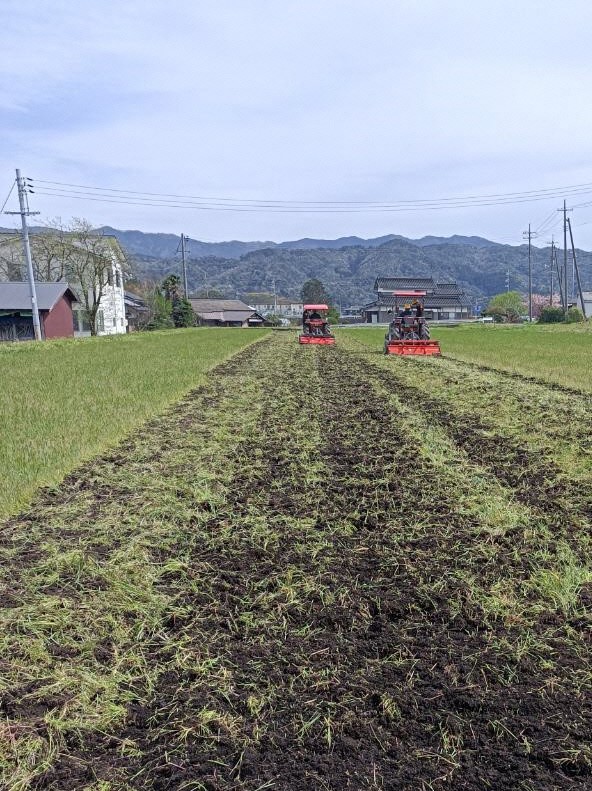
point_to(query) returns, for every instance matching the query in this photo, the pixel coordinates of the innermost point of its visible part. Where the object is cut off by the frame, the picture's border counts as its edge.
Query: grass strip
(562, 355)
(91, 575)
(62, 402)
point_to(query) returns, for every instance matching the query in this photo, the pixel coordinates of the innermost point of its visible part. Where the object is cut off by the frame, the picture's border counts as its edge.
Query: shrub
(551, 315)
(574, 315)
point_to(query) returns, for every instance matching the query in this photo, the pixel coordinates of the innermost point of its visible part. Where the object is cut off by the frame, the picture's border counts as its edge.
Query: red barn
(54, 302)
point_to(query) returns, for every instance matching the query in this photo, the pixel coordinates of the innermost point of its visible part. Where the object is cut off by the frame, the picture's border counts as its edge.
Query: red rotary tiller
(409, 332)
(315, 328)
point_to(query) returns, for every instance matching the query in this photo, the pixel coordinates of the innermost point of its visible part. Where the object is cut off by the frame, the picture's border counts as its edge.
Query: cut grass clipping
(321, 569)
(64, 401)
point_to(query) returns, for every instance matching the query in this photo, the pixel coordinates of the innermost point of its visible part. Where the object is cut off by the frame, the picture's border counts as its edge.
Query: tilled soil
(325, 600)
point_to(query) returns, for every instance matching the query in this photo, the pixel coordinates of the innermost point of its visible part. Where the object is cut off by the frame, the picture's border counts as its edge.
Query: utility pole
(23, 189)
(576, 270)
(508, 280)
(564, 210)
(182, 246)
(559, 277)
(552, 265)
(274, 298)
(183, 238)
(528, 235)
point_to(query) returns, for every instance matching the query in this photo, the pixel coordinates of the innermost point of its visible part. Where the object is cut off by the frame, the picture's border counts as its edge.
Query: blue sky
(311, 100)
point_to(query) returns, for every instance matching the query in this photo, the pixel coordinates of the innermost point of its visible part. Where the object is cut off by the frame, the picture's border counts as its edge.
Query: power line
(573, 187)
(8, 197)
(65, 189)
(543, 225)
(296, 209)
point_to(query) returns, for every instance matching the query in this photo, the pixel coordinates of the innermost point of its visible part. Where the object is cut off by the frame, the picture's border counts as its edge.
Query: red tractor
(409, 332)
(315, 328)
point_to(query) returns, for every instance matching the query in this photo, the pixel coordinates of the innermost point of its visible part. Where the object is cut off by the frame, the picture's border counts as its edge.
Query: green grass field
(559, 354)
(65, 401)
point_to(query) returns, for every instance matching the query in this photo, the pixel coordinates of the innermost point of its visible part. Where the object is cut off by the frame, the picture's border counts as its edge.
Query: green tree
(183, 315)
(313, 292)
(181, 311)
(333, 315)
(171, 286)
(161, 311)
(507, 306)
(273, 320)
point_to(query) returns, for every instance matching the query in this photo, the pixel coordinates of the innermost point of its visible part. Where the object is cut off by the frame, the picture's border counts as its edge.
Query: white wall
(112, 304)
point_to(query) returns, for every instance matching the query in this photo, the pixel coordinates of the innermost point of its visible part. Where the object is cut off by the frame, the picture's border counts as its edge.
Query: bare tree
(51, 250)
(91, 267)
(88, 259)
(11, 257)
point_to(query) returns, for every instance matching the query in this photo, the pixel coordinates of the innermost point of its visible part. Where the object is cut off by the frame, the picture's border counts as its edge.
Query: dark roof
(431, 302)
(224, 310)
(134, 299)
(403, 283)
(448, 288)
(447, 301)
(269, 299)
(16, 296)
(227, 315)
(213, 305)
(438, 294)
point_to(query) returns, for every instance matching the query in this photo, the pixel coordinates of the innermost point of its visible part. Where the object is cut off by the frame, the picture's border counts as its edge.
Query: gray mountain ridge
(348, 266)
(164, 245)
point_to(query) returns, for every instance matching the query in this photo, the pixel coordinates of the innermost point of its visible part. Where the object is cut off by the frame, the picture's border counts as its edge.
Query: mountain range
(348, 266)
(164, 245)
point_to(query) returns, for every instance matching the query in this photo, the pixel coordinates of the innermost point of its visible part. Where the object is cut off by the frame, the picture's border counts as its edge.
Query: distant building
(137, 311)
(226, 313)
(269, 304)
(587, 304)
(54, 303)
(111, 318)
(443, 301)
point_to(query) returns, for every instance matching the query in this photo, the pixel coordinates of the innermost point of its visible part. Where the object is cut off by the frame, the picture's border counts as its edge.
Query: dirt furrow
(348, 652)
(312, 608)
(534, 477)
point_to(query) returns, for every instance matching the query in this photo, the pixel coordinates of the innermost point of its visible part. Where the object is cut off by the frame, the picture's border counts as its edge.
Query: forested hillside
(349, 272)
(347, 266)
